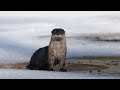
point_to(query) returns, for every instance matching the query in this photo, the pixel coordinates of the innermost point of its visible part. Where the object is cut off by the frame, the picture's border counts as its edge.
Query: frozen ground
(22, 34)
(29, 74)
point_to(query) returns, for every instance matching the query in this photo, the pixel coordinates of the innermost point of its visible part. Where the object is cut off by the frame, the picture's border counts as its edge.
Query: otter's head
(58, 34)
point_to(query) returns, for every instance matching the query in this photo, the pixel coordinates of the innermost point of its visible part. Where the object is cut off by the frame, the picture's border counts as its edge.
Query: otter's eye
(61, 32)
(53, 32)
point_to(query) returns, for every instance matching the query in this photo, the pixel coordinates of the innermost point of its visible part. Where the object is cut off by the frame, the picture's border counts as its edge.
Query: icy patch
(33, 74)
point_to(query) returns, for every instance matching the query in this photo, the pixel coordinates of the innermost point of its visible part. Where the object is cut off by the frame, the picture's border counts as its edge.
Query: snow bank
(33, 74)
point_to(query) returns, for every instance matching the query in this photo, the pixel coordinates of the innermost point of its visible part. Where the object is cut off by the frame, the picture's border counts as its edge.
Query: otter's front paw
(63, 70)
(34, 68)
(51, 69)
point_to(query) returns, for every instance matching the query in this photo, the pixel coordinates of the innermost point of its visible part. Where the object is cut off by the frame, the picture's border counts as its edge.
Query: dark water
(78, 47)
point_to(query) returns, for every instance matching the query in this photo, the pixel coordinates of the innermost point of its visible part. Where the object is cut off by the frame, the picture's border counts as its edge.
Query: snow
(29, 74)
(21, 33)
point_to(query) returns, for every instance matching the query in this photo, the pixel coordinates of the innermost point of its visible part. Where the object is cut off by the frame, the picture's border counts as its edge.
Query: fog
(74, 22)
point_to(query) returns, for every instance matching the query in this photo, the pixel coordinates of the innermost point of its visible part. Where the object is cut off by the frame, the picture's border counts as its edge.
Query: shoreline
(99, 65)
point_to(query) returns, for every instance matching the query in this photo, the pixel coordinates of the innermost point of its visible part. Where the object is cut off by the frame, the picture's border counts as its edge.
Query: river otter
(57, 49)
(45, 58)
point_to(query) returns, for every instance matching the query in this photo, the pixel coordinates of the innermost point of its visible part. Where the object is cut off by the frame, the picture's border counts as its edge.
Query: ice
(34, 74)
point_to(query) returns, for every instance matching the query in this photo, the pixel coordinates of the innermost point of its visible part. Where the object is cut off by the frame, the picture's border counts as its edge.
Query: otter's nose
(57, 33)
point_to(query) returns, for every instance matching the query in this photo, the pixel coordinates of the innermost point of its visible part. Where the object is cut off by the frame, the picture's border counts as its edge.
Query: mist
(73, 22)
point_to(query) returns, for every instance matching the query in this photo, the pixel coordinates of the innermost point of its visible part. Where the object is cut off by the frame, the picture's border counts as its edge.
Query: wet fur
(45, 58)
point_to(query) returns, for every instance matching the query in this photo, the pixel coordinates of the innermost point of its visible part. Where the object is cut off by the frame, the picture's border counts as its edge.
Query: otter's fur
(45, 58)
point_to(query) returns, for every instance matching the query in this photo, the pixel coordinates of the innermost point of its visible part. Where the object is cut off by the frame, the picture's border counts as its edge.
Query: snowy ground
(29, 74)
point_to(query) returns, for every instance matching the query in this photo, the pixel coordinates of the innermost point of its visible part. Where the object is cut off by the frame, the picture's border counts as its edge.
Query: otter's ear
(63, 31)
(52, 31)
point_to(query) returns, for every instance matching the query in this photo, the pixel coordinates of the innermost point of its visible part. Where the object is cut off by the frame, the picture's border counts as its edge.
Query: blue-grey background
(23, 32)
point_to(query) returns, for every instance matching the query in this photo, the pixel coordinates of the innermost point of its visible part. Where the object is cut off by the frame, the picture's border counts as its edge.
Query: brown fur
(57, 50)
(45, 58)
